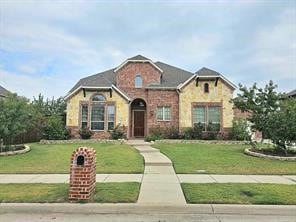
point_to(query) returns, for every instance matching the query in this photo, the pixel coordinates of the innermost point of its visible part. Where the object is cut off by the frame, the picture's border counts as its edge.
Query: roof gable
(138, 58)
(4, 92)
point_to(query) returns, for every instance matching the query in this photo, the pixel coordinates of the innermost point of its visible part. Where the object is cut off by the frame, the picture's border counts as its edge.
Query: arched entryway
(138, 120)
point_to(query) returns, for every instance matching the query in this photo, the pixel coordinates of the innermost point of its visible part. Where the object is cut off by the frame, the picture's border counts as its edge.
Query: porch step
(156, 159)
(146, 149)
(138, 143)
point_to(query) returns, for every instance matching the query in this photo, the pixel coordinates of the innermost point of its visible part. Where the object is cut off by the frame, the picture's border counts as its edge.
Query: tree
(16, 117)
(54, 128)
(259, 102)
(281, 125)
(49, 107)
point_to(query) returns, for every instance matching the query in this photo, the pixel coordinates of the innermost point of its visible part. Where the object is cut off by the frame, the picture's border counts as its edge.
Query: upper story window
(138, 81)
(98, 98)
(206, 88)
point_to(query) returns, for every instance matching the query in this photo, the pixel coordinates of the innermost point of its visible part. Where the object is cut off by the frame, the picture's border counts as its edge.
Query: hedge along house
(141, 95)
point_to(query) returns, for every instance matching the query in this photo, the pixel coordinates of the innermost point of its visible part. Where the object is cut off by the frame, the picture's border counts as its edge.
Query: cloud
(274, 47)
(46, 46)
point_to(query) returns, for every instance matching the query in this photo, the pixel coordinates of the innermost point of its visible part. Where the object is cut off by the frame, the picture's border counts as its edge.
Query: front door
(139, 123)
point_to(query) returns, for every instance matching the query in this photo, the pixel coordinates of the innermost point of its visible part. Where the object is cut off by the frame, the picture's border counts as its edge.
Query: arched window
(138, 81)
(98, 98)
(206, 88)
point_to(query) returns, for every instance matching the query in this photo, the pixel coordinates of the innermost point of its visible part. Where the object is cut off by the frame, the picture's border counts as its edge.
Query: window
(164, 113)
(98, 114)
(207, 116)
(214, 118)
(98, 98)
(199, 116)
(97, 117)
(84, 116)
(206, 88)
(111, 116)
(138, 81)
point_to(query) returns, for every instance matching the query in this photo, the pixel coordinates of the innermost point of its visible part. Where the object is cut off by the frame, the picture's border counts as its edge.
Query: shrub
(156, 133)
(119, 132)
(54, 128)
(240, 130)
(212, 132)
(85, 133)
(171, 133)
(194, 132)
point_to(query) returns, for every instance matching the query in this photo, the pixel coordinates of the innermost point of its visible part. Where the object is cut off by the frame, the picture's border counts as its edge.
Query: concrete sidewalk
(160, 184)
(136, 212)
(64, 178)
(156, 171)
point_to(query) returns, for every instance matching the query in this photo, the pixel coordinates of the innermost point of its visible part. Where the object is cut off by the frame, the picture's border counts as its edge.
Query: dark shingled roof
(3, 92)
(138, 57)
(292, 93)
(207, 72)
(171, 77)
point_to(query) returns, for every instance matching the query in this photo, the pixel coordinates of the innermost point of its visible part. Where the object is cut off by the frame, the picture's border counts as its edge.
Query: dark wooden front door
(139, 123)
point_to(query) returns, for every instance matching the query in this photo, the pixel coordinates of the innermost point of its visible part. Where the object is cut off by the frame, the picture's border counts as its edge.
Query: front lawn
(58, 193)
(239, 193)
(111, 158)
(221, 159)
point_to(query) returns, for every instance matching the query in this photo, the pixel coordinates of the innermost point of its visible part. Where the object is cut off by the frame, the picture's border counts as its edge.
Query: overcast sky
(47, 46)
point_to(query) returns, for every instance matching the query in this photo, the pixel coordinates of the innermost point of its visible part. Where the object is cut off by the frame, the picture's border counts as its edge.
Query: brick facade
(179, 100)
(158, 98)
(82, 174)
(126, 75)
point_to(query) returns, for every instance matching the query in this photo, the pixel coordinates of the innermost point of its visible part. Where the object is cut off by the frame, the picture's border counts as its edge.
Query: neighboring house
(3, 92)
(141, 95)
(292, 93)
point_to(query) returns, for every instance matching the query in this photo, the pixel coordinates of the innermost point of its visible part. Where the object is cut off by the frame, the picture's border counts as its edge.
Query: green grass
(239, 193)
(111, 158)
(58, 193)
(221, 159)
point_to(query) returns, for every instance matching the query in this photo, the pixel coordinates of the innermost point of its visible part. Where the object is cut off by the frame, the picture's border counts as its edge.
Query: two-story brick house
(141, 94)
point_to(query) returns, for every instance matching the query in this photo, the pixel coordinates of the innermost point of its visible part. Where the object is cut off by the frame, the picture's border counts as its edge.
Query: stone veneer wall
(217, 94)
(73, 111)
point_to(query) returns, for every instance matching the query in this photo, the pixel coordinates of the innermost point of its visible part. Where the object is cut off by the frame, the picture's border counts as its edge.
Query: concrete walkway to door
(160, 184)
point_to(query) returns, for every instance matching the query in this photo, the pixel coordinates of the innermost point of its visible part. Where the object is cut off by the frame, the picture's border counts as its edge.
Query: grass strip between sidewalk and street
(234, 193)
(126, 192)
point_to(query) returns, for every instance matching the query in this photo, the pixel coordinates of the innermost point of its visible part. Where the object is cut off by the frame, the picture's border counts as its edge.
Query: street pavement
(138, 212)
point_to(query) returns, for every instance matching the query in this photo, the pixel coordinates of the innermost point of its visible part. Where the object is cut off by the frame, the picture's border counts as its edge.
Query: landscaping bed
(55, 158)
(239, 193)
(58, 193)
(221, 159)
(18, 149)
(271, 154)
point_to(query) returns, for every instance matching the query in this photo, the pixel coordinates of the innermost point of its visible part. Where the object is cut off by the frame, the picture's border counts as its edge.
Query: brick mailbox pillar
(82, 174)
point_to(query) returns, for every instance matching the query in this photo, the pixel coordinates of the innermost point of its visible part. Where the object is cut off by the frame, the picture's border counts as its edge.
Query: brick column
(82, 174)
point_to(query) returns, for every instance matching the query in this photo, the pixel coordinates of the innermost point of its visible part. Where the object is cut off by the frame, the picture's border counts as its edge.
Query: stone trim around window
(89, 104)
(206, 105)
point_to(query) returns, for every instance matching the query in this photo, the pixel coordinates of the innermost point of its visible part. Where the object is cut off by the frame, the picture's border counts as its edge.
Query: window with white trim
(98, 117)
(138, 81)
(199, 116)
(207, 116)
(111, 116)
(164, 113)
(84, 115)
(214, 118)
